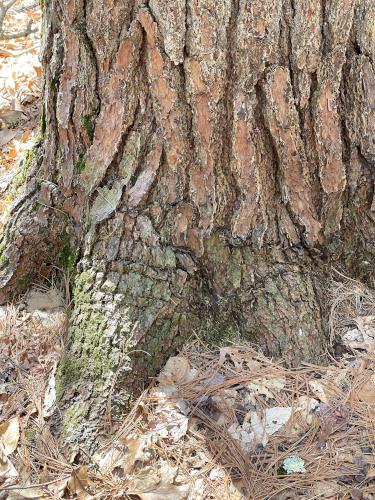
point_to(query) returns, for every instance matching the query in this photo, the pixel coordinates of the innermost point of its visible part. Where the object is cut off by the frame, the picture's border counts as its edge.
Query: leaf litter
(20, 91)
(226, 423)
(216, 423)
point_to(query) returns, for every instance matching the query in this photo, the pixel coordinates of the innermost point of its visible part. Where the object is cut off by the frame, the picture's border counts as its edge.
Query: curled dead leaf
(176, 370)
(9, 435)
(318, 390)
(78, 482)
(125, 455)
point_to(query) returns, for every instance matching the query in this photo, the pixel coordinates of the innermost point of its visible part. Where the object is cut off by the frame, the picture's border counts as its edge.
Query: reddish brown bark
(213, 159)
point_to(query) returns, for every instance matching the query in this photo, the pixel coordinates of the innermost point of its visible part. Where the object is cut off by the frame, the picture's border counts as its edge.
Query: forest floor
(225, 423)
(215, 424)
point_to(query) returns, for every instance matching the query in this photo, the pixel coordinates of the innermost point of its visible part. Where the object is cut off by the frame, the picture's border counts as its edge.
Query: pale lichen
(74, 416)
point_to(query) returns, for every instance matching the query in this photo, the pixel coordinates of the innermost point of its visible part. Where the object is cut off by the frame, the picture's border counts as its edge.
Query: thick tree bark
(207, 163)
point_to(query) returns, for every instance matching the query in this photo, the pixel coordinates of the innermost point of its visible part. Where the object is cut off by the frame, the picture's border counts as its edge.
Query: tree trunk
(205, 164)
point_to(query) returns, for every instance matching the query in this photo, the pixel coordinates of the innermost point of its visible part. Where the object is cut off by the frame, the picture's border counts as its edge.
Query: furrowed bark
(213, 160)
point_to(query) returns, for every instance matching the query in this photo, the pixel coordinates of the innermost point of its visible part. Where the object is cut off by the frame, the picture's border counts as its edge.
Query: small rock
(50, 301)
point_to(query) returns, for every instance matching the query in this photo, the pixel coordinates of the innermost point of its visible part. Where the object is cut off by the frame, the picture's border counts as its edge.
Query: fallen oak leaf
(6, 53)
(356, 494)
(272, 420)
(38, 71)
(138, 450)
(318, 390)
(176, 370)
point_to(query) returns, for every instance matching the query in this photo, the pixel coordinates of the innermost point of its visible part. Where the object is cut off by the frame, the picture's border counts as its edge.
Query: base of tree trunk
(137, 303)
(204, 163)
(34, 235)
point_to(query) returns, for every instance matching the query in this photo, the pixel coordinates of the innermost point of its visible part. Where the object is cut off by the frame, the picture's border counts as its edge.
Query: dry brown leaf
(265, 387)
(12, 153)
(10, 115)
(5, 53)
(32, 492)
(137, 451)
(366, 392)
(58, 488)
(333, 418)
(318, 390)
(25, 136)
(7, 469)
(325, 489)
(78, 483)
(175, 370)
(166, 492)
(9, 435)
(38, 71)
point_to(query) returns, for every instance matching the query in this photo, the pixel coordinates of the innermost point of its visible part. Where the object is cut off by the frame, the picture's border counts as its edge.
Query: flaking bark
(213, 160)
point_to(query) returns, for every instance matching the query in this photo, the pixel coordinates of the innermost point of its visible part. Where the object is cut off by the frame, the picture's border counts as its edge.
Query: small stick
(40, 485)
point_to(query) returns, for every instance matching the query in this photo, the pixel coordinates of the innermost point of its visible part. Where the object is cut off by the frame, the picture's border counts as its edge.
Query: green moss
(89, 338)
(3, 259)
(67, 257)
(88, 126)
(84, 279)
(2, 248)
(30, 436)
(23, 170)
(25, 280)
(68, 373)
(94, 352)
(81, 164)
(53, 84)
(89, 333)
(220, 333)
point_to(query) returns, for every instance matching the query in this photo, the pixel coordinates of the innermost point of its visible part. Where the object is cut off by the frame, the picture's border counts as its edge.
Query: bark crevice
(213, 159)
